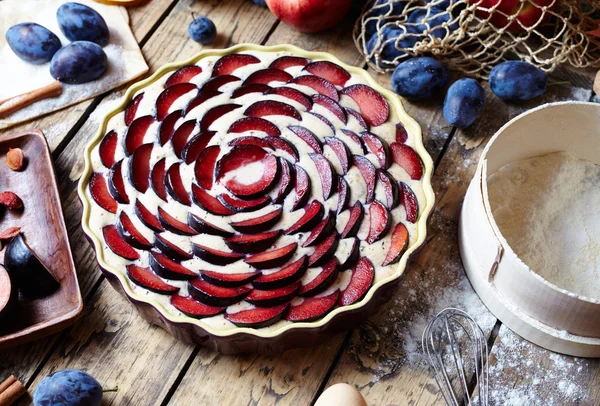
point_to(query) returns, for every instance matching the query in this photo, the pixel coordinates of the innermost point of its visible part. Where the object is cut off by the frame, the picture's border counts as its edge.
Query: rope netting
(473, 36)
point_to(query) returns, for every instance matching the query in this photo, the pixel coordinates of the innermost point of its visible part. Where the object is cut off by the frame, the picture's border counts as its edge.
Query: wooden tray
(43, 227)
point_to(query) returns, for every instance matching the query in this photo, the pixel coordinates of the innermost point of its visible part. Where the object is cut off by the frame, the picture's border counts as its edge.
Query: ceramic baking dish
(290, 335)
(528, 304)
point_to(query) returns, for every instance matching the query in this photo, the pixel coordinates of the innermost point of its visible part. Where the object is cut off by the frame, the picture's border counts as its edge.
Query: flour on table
(548, 210)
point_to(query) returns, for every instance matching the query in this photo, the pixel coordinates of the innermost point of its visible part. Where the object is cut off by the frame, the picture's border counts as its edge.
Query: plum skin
(516, 80)
(464, 102)
(389, 52)
(82, 23)
(419, 78)
(79, 62)
(436, 18)
(202, 30)
(69, 387)
(384, 9)
(32, 42)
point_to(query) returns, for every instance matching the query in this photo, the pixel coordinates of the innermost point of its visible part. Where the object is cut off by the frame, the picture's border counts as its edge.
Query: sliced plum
(324, 120)
(287, 61)
(268, 75)
(324, 250)
(168, 96)
(181, 136)
(116, 183)
(147, 217)
(373, 106)
(401, 133)
(318, 84)
(247, 89)
(272, 258)
(313, 308)
(229, 280)
(108, 148)
(286, 180)
(195, 146)
(311, 217)
(229, 63)
(167, 268)
(363, 274)
(173, 225)
(145, 278)
(139, 168)
(390, 189)
(308, 137)
(254, 124)
(341, 152)
(204, 168)
(258, 317)
(193, 308)
(377, 147)
(379, 222)
(167, 126)
(355, 139)
(278, 143)
(183, 75)
(216, 113)
(136, 133)
(250, 140)
(287, 275)
(328, 275)
(175, 187)
(275, 297)
(157, 179)
(302, 186)
(257, 224)
(409, 201)
(170, 249)
(343, 195)
(212, 295)
(252, 243)
(331, 105)
(101, 194)
(356, 115)
(398, 245)
(292, 94)
(8, 293)
(353, 255)
(209, 203)
(228, 171)
(265, 108)
(131, 109)
(357, 212)
(117, 244)
(321, 231)
(330, 71)
(327, 174)
(130, 234)
(203, 226)
(407, 159)
(215, 256)
(239, 205)
(202, 96)
(367, 170)
(216, 82)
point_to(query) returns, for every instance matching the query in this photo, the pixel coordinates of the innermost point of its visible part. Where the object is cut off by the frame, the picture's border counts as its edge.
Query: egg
(341, 394)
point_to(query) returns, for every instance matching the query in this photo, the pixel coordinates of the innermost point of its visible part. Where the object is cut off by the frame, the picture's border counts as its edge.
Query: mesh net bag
(472, 36)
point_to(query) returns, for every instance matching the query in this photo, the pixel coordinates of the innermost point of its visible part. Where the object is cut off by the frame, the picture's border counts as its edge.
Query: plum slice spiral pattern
(254, 194)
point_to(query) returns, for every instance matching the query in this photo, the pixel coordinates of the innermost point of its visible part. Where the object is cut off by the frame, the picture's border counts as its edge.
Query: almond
(10, 200)
(15, 158)
(9, 233)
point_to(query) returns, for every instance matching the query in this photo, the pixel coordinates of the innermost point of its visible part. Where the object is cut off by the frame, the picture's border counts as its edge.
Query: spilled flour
(548, 209)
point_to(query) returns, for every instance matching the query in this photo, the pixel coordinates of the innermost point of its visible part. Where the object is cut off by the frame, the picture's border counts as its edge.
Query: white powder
(548, 209)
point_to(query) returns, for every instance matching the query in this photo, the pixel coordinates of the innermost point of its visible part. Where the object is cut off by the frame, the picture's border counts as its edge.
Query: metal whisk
(457, 351)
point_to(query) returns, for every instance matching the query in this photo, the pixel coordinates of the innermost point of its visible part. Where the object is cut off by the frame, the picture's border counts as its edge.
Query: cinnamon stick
(11, 390)
(21, 101)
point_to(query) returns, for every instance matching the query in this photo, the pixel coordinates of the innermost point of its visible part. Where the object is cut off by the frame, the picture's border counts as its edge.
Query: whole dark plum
(78, 62)
(69, 387)
(382, 11)
(79, 22)
(389, 52)
(419, 78)
(32, 42)
(516, 80)
(464, 102)
(436, 18)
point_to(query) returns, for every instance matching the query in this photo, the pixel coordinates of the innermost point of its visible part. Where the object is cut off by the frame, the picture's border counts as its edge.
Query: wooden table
(382, 357)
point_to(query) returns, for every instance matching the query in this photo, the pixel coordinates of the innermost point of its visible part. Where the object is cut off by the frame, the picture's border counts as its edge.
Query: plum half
(8, 292)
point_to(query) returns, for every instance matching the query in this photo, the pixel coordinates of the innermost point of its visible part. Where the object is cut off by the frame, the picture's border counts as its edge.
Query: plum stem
(565, 82)
(193, 16)
(115, 389)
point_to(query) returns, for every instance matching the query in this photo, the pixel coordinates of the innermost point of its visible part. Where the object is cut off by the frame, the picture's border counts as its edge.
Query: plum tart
(256, 189)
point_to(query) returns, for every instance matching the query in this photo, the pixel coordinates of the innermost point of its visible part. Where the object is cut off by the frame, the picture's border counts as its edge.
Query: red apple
(526, 16)
(309, 15)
